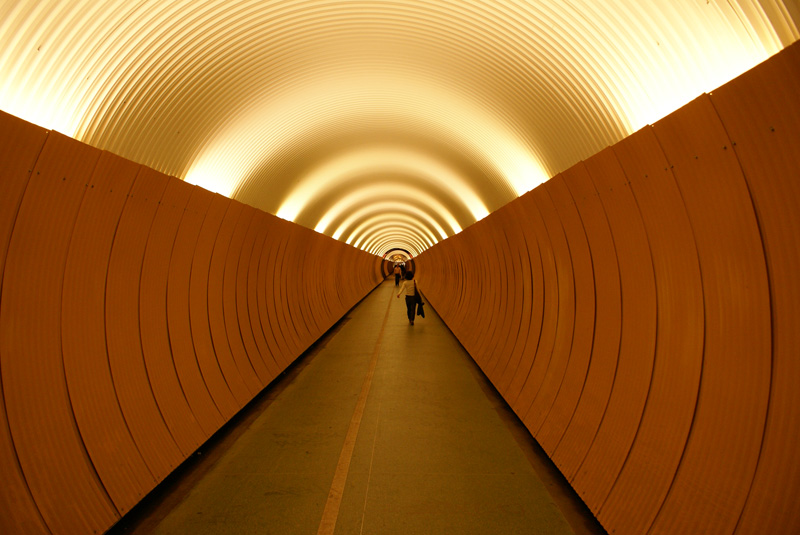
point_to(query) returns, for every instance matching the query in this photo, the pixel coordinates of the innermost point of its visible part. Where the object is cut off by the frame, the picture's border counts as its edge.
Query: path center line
(331, 512)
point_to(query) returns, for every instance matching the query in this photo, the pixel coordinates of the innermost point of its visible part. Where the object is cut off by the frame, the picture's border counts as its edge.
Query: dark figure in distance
(409, 287)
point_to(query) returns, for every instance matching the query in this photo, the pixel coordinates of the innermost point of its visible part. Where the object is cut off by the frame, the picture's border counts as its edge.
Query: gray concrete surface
(437, 450)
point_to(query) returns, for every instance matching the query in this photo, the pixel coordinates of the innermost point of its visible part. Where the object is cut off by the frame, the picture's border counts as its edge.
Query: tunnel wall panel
(572, 446)
(50, 449)
(87, 366)
(295, 307)
(200, 375)
(672, 407)
(489, 298)
(504, 349)
(634, 367)
(315, 267)
(186, 429)
(125, 354)
(515, 375)
(213, 364)
(263, 233)
(524, 297)
(542, 352)
(265, 336)
(720, 457)
(20, 145)
(181, 207)
(513, 307)
(283, 320)
(762, 118)
(245, 236)
(569, 389)
(534, 415)
(239, 380)
(672, 397)
(120, 329)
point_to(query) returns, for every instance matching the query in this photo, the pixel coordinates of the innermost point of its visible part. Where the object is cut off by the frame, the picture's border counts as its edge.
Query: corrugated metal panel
(717, 468)
(159, 447)
(236, 324)
(242, 380)
(264, 254)
(582, 427)
(191, 416)
(761, 116)
(556, 417)
(47, 440)
(20, 146)
(216, 372)
(634, 369)
(542, 351)
(650, 467)
(114, 451)
(535, 413)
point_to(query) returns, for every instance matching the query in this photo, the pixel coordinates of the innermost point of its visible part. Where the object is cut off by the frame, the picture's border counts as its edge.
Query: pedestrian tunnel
(637, 312)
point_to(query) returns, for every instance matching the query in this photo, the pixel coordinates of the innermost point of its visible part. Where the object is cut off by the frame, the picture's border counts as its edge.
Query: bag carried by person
(418, 298)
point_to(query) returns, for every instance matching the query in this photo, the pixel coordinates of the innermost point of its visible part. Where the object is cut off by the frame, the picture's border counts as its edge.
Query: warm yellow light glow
(375, 244)
(374, 224)
(378, 160)
(225, 94)
(385, 207)
(381, 228)
(685, 62)
(359, 197)
(213, 178)
(395, 255)
(380, 225)
(394, 241)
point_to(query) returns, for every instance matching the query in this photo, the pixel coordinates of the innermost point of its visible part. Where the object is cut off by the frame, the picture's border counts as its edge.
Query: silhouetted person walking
(409, 287)
(397, 272)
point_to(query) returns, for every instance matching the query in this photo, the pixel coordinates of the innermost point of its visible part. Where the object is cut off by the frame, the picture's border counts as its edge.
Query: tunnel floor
(380, 428)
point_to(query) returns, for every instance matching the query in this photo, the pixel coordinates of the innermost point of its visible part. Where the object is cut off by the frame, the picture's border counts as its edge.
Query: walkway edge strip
(331, 512)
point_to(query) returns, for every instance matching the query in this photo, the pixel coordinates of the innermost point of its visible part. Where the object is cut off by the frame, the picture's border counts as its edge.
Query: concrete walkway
(381, 428)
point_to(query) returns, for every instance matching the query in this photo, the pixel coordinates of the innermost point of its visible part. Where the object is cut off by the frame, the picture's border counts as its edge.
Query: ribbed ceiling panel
(314, 110)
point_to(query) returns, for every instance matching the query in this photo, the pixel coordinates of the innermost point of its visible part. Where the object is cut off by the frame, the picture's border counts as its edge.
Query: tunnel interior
(599, 200)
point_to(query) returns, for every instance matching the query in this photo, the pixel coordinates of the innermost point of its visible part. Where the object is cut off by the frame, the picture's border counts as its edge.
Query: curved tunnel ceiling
(385, 124)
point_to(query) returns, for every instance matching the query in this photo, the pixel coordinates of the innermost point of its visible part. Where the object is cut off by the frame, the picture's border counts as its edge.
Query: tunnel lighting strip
(409, 231)
(380, 228)
(374, 225)
(386, 208)
(334, 173)
(395, 240)
(377, 193)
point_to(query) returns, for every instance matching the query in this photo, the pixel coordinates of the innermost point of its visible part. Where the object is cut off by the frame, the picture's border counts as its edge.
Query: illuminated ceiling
(382, 123)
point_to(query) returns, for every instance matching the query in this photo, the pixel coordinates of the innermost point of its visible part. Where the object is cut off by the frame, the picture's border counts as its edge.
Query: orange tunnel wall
(640, 313)
(139, 313)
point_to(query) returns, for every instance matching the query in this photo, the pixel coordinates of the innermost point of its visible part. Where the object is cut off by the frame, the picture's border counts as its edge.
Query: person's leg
(411, 305)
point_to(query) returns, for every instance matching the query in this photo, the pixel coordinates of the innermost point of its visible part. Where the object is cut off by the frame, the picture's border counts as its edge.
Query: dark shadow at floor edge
(575, 511)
